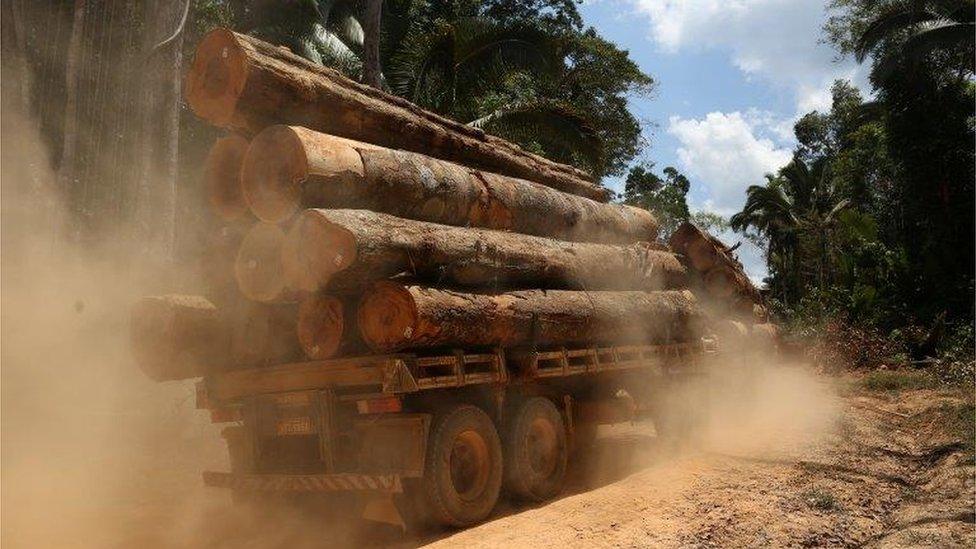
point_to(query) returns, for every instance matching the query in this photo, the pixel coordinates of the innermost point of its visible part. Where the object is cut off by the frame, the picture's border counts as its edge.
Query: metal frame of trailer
(302, 399)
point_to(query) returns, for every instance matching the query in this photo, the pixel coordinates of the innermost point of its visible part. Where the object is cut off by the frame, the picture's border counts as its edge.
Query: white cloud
(776, 40)
(727, 152)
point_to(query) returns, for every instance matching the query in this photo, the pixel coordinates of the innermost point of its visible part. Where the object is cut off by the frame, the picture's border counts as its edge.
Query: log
(219, 253)
(342, 250)
(327, 327)
(177, 336)
(185, 336)
(222, 177)
(262, 334)
(287, 168)
(394, 316)
(242, 83)
(720, 272)
(258, 266)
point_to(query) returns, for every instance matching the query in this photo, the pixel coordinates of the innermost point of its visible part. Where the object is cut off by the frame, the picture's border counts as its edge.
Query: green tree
(921, 53)
(665, 197)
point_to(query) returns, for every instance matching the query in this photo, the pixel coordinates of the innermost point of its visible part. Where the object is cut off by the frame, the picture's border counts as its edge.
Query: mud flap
(379, 507)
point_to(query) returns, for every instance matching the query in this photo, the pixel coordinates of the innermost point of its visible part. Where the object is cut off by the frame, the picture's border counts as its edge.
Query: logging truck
(439, 436)
(404, 308)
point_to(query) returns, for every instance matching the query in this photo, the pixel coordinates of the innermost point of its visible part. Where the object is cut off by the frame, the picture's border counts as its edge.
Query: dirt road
(780, 468)
(892, 474)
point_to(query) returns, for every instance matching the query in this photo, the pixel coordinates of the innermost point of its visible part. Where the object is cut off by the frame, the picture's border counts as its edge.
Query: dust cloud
(97, 455)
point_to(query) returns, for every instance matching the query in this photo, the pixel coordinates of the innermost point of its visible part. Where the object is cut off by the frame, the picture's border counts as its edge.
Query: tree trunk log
(341, 250)
(186, 336)
(222, 176)
(217, 259)
(287, 168)
(258, 266)
(240, 82)
(393, 316)
(262, 334)
(712, 265)
(178, 337)
(327, 327)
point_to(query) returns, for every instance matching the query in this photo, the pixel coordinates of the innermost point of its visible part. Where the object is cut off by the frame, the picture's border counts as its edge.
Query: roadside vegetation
(869, 230)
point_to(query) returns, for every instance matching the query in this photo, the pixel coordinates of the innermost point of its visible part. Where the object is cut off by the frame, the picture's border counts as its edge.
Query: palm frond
(895, 18)
(941, 35)
(556, 128)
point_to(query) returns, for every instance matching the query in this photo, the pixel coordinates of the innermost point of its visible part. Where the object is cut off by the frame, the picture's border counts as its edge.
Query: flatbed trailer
(445, 432)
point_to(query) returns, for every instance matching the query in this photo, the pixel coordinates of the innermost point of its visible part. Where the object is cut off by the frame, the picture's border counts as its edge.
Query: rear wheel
(535, 451)
(463, 474)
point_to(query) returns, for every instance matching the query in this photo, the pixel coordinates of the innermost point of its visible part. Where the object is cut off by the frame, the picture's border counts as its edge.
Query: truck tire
(536, 449)
(463, 474)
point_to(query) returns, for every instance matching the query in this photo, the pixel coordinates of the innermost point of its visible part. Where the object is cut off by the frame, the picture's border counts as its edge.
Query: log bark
(242, 83)
(287, 168)
(394, 316)
(222, 176)
(178, 337)
(342, 250)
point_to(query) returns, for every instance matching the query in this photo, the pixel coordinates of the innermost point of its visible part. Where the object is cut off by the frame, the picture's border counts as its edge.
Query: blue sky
(732, 78)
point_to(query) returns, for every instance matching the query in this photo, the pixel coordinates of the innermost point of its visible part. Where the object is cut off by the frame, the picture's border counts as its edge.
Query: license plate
(295, 426)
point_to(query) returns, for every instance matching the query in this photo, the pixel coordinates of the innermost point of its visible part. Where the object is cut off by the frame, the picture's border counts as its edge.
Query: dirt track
(880, 479)
(873, 469)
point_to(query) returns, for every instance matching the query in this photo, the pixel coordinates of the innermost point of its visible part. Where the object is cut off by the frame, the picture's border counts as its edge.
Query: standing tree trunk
(161, 128)
(371, 43)
(67, 170)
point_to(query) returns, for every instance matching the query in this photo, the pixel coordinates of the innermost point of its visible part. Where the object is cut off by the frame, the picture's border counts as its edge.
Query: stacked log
(725, 290)
(340, 250)
(288, 168)
(395, 316)
(351, 222)
(241, 83)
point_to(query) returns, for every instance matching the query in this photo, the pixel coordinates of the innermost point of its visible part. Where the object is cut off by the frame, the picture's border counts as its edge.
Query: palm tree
(923, 27)
(322, 31)
(796, 210)
(480, 72)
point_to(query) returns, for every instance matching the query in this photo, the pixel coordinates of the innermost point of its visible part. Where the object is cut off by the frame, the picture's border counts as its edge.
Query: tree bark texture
(371, 43)
(240, 82)
(287, 168)
(394, 316)
(342, 250)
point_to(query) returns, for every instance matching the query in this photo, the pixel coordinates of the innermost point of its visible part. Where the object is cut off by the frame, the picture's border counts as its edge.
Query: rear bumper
(339, 482)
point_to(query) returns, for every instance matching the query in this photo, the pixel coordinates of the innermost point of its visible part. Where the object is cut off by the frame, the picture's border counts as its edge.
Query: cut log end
(314, 250)
(222, 174)
(272, 174)
(320, 326)
(258, 267)
(387, 316)
(282, 158)
(216, 78)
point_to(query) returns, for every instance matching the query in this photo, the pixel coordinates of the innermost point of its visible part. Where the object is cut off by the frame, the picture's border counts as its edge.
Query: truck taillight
(381, 405)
